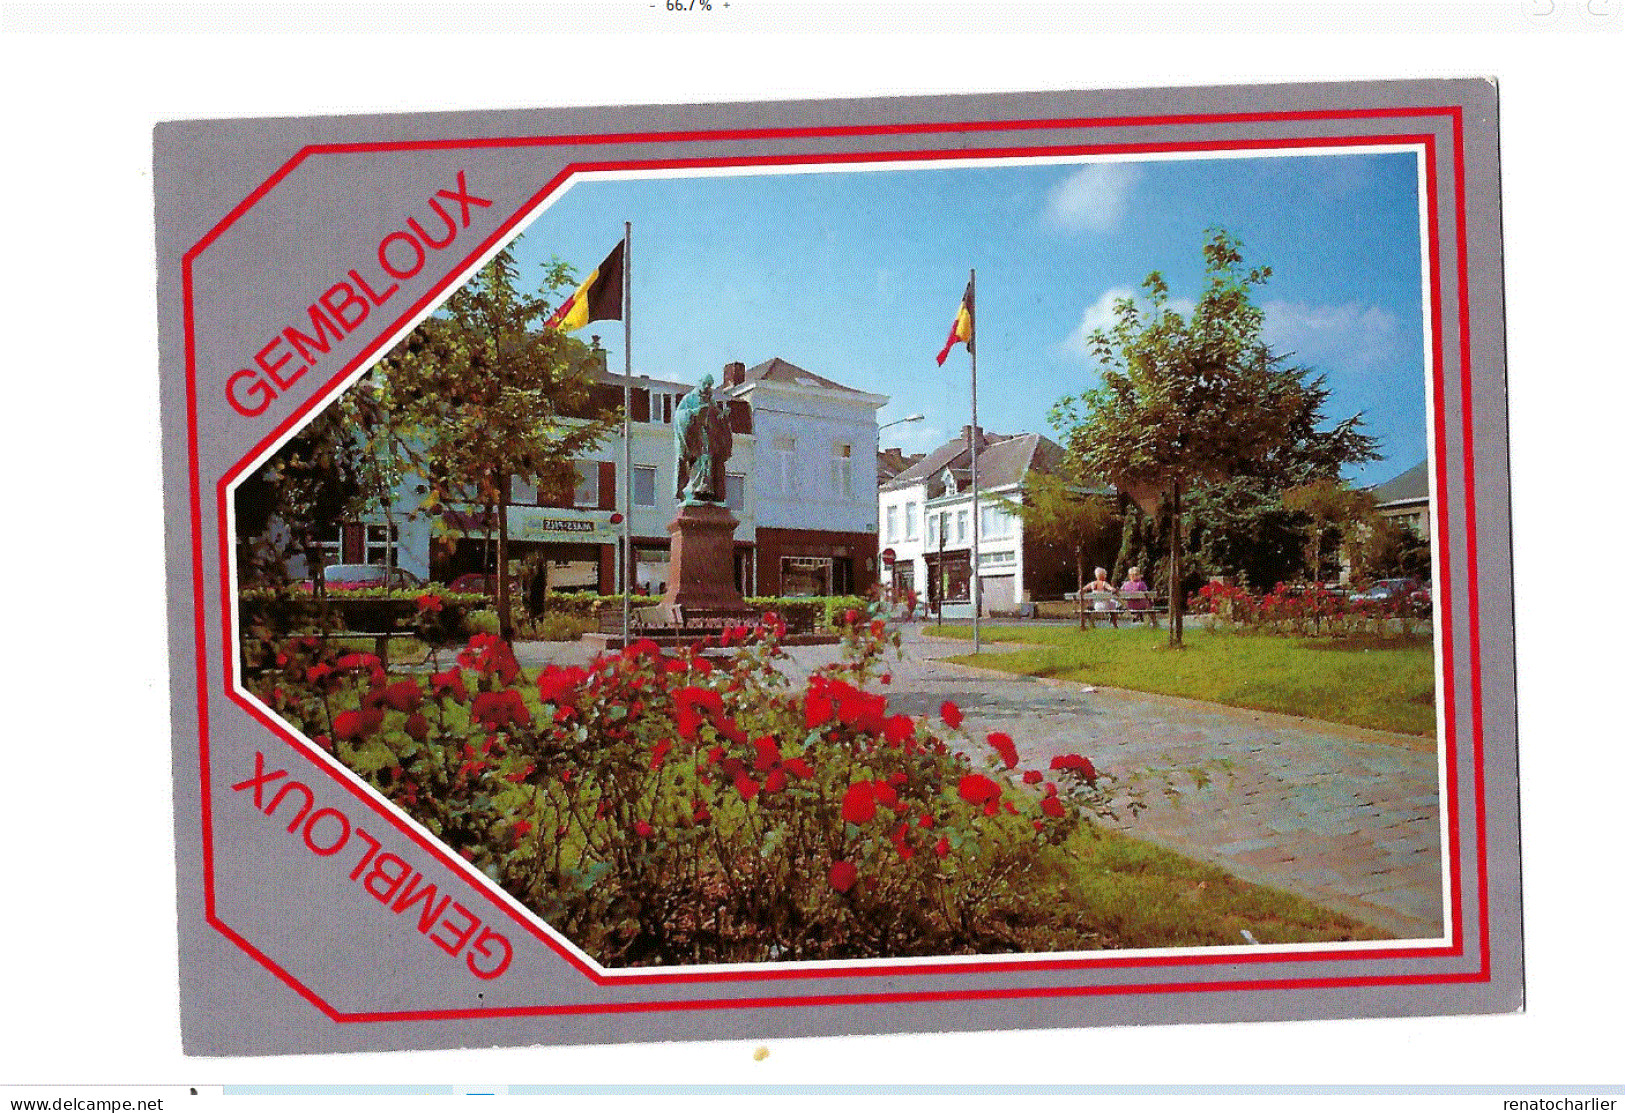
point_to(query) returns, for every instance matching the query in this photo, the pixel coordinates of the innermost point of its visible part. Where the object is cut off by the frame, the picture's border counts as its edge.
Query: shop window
(586, 483)
(643, 486)
(802, 576)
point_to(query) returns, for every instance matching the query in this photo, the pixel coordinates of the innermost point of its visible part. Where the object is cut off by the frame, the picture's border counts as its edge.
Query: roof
(1408, 486)
(778, 370)
(1002, 462)
(644, 382)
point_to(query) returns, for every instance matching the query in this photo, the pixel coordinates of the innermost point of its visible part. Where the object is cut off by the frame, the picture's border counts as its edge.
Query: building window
(841, 470)
(521, 493)
(736, 491)
(961, 525)
(891, 523)
(785, 448)
(643, 486)
(931, 530)
(586, 483)
(383, 546)
(330, 547)
(995, 522)
(911, 520)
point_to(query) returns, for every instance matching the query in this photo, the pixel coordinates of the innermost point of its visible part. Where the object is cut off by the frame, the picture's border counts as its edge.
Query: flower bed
(663, 809)
(1310, 611)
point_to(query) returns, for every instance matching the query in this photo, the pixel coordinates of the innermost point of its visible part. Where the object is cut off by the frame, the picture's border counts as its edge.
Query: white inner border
(882, 164)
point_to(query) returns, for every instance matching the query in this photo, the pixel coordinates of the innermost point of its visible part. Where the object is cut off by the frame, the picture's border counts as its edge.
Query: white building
(814, 479)
(800, 482)
(926, 525)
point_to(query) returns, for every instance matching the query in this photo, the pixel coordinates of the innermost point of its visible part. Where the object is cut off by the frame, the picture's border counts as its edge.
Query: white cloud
(1350, 337)
(1099, 315)
(1094, 199)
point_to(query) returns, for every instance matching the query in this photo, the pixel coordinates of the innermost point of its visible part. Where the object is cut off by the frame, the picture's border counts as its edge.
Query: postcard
(813, 568)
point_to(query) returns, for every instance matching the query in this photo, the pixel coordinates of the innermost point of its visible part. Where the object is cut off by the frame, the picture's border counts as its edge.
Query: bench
(1120, 605)
(380, 639)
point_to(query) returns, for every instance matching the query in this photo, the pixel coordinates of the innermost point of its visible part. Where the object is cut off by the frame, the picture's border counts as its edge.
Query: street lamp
(901, 420)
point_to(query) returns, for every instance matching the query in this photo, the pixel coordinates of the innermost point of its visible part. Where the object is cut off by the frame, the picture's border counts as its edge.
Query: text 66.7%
(688, 5)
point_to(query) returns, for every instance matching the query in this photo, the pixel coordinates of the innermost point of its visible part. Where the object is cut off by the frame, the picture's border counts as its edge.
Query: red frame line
(879, 968)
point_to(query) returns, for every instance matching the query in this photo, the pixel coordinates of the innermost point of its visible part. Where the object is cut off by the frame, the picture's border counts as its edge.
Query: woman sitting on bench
(1101, 589)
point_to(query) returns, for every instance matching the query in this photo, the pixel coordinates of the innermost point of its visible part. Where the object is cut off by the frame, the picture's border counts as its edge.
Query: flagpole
(627, 563)
(975, 490)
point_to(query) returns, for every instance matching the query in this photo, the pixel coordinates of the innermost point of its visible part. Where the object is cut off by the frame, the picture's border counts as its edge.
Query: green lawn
(1119, 892)
(1384, 684)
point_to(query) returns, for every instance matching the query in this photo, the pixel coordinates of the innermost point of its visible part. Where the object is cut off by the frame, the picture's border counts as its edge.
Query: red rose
(1080, 765)
(942, 848)
(858, 805)
(977, 789)
(951, 714)
(417, 726)
(657, 755)
(1005, 747)
(643, 829)
(842, 876)
(1032, 776)
(747, 787)
(1053, 807)
(404, 695)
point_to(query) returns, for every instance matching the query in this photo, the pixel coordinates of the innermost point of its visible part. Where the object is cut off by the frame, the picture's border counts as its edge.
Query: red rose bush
(679, 807)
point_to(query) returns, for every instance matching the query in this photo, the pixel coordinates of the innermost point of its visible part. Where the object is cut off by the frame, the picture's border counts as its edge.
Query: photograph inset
(1027, 557)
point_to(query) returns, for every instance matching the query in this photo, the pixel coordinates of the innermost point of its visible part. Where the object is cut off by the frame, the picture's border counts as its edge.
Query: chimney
(733, 374)
(981, 436)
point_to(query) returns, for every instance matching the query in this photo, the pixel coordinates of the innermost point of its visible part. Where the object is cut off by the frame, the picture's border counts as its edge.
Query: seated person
(1104, 594)
(1135, 588)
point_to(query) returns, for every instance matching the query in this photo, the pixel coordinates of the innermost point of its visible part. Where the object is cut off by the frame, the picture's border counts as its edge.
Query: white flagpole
(975, 490)
(626, 562)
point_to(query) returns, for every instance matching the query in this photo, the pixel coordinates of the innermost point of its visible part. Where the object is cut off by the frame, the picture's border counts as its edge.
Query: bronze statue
(704, 441)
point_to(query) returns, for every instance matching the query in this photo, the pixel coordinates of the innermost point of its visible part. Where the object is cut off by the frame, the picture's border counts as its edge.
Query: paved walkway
(1347, 817)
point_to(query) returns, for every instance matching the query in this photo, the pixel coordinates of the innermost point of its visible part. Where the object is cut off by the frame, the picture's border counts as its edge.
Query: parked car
(481, 583)
(353, 577)
(1386, 591)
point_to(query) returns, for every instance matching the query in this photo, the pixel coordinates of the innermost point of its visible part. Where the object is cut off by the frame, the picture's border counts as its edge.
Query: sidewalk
(1344, 816)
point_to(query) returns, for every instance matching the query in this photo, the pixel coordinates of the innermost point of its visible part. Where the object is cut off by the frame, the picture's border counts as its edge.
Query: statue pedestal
(701, 576)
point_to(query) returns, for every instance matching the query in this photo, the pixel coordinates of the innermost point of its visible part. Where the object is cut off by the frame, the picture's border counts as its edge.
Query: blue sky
(856, 276)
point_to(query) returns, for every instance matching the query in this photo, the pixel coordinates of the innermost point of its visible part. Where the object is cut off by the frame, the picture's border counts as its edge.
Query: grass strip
(1384, 684)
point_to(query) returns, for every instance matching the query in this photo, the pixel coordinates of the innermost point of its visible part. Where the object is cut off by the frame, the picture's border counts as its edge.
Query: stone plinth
(701, 575)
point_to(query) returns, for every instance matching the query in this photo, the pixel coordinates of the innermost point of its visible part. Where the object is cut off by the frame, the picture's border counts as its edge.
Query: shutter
(640, 405)
(606, 485)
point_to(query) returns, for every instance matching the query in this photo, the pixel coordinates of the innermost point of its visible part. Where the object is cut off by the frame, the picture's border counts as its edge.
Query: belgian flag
(964, 326)
(597, 299)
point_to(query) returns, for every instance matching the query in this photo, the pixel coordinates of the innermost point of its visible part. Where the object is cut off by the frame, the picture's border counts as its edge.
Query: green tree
(313, 482)
(1331, 507)
(493, 397)
(1065, 517)
(1185, 401)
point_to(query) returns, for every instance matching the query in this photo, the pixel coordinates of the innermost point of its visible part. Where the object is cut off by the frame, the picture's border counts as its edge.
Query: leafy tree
(313, 481)
(1190, 401)
(1061, 516)
(1331, 507)
(493, 397)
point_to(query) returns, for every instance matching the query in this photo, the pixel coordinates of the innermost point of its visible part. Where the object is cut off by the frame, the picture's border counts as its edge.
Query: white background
(87, 897)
